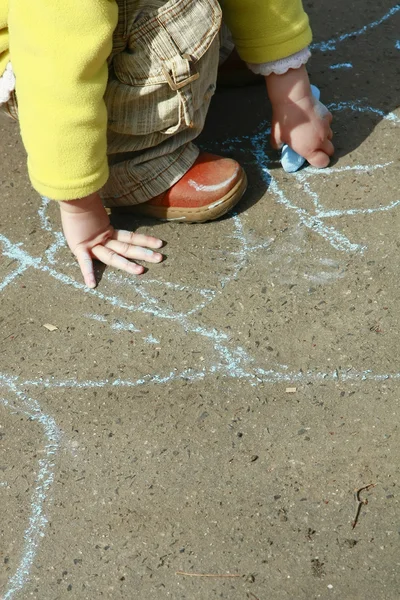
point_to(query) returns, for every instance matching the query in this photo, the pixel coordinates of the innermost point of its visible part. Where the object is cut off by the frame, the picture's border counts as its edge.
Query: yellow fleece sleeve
(267, 30)
(59, 52)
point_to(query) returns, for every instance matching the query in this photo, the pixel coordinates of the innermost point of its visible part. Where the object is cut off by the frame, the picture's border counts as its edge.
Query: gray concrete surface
(153, 432)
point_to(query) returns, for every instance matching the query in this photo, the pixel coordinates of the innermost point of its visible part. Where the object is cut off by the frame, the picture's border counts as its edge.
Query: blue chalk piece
(315, 92)
(290, 160)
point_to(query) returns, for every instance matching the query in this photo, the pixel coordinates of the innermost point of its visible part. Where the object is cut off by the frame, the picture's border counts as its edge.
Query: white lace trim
(280, 67)
(7, 84)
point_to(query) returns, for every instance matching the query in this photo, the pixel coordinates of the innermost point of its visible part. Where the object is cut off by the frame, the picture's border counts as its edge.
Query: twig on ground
(204, 574)
(360, 502)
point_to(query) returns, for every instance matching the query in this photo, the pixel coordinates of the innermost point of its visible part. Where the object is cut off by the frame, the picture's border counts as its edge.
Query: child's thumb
(276, 140)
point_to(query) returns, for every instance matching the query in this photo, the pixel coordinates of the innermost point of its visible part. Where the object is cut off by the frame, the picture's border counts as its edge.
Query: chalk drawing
(99, 318)
(121, 326)
(9, 278)
(341, 66)
(257, 375)
(150, 339)
(22, 403)
(333, 42)
(116, 325)
(162, 299)
(316, 221)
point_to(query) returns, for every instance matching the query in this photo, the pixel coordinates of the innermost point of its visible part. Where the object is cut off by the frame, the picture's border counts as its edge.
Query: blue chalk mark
(116, 326)
(120, 326)
(44, 219)
(99, 318)
(332, 43)
(151, 340)
(356, 106)
(55, 247)
(336, 239)
(328, 214)
(44, 480)
(320, 211)
(311, 193)
(397, 45)
(11, 276)
(332, 170)
(258, 375)
(341, 66)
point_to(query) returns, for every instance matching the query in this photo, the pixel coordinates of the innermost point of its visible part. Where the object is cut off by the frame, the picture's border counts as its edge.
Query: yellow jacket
(59, 52)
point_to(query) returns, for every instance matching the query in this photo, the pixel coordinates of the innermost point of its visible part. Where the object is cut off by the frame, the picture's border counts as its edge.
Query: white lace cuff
(7, 84)
(279, 67)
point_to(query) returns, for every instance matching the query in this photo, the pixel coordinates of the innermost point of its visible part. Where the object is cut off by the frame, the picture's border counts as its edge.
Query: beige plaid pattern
(162, 75)
(10, 107)
(163, 72)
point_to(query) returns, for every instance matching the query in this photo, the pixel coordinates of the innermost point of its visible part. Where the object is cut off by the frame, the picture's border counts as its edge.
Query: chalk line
(259, 375)
(333, 42)
(315, 221)
(13, 275)
(333, 170)
(357, 106)
(328, 214)
(341, 66)
(44, 480)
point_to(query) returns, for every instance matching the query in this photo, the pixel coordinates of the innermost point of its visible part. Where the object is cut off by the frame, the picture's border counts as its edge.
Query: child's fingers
(320, 158)
(327, 126)
(134, 252)
(137, 239)
(111, 258)
(86, 265)
(328, 147)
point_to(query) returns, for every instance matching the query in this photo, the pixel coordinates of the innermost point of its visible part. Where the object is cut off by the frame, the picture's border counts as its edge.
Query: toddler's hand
(90, 235)
(298, 119)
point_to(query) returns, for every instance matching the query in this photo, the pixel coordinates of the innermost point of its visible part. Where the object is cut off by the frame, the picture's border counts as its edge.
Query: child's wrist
(82, 205)
(292, 86)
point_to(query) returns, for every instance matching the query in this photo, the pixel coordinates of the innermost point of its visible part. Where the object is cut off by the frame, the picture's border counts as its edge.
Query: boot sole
(190, 215)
